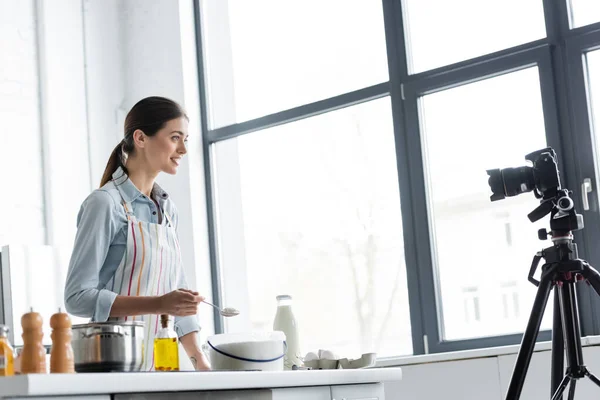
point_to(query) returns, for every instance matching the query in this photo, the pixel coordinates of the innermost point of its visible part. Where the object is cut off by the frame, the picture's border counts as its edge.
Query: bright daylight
(297, 200)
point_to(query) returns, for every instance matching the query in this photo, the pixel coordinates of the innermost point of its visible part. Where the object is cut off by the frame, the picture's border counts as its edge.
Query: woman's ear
(139, 138)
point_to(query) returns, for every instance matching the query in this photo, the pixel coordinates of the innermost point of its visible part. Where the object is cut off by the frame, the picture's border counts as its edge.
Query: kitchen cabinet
(366, 384)
(344, 392)
(358, 392)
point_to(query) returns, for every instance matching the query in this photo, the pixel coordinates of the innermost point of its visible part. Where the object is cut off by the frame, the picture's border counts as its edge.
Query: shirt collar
(130, 192)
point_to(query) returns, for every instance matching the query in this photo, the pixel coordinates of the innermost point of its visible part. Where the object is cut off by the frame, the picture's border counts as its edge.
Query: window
(266, 56)
(444, 32)
(319, 204)
(479, 116)
(584, 12)
(468, 86)
(593, 64)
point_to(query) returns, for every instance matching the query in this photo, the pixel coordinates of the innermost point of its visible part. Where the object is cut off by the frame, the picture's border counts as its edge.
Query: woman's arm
(194, 352)
(180, 303)
(129, 306)
(97, 226)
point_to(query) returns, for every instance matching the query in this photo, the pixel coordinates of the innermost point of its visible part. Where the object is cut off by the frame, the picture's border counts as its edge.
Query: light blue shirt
(100, 244)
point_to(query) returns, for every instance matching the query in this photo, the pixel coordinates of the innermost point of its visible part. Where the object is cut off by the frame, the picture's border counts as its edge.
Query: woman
(126, 263)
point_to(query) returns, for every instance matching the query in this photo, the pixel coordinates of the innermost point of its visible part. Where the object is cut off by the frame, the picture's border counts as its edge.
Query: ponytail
(114, 162)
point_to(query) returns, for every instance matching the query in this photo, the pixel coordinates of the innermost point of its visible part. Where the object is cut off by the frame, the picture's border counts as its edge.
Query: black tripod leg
(533, 326)
(558, 347)
(572, 389)
(562, 387)
(593, 378)
(592, 276)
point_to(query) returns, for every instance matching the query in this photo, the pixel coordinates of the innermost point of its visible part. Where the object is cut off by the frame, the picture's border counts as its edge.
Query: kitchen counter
(88, 384)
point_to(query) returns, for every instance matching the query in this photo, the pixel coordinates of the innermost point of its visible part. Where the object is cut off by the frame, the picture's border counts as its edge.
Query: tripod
(560, 273)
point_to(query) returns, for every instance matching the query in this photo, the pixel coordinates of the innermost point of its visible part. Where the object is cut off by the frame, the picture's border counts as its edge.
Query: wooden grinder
(33, 356)
(61, 354)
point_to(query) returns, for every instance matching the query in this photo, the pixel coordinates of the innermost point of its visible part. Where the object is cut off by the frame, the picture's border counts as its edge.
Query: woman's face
(167, 147)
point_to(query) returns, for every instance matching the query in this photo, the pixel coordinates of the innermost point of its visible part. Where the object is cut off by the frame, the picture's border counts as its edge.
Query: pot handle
(116, 330)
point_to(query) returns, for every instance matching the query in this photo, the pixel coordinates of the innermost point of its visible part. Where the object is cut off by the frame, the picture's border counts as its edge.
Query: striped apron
(150, 266)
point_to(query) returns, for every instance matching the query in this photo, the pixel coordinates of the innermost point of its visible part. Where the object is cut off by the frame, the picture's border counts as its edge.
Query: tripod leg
(562, 387)
(593, 378)
(592, 276)
(558, 347)
(572, 389)
(571, 329)
(528, 342)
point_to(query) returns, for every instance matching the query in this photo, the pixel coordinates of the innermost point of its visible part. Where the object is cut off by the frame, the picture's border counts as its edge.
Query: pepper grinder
(33, 356)
(61, 354)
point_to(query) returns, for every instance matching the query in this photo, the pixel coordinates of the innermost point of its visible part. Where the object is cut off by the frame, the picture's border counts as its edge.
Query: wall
(71, 69)
(136, 49)
(486, 378)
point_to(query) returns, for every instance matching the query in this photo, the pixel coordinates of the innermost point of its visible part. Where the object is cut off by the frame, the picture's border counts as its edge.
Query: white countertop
(137, 382)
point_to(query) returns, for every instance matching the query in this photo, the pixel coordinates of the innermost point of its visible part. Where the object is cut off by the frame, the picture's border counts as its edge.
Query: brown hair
(149, 115)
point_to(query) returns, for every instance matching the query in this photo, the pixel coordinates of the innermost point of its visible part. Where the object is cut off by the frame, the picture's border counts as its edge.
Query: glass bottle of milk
(286, 322)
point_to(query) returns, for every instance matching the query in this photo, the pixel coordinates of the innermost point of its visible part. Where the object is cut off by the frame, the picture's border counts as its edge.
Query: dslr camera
(543, 179)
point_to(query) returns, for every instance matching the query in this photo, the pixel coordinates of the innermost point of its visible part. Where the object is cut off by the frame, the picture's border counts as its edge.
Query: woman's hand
(180, 302)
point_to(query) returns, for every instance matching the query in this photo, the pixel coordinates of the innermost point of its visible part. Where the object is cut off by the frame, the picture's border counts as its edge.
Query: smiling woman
(126, 262)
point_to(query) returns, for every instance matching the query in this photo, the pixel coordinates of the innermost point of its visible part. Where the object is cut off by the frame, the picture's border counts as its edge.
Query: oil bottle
(6, 353)
(166, 349)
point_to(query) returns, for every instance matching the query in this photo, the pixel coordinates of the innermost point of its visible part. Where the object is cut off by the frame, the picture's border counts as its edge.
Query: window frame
(564, 102)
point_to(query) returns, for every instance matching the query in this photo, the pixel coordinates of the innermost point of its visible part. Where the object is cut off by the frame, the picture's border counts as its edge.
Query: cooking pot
(108, 346)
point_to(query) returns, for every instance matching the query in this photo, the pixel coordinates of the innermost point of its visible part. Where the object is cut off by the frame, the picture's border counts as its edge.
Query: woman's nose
(182, 148)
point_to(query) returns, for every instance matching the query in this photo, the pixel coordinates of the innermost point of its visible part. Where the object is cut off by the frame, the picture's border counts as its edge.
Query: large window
(348, 166)
(484, 116)
(321, 221)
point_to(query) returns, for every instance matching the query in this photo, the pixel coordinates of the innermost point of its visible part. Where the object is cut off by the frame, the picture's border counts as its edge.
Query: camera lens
(496, 184)
(518, 180)
(510, 182)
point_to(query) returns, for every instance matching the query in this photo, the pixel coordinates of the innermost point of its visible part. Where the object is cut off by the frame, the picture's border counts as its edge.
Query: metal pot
(108, 346)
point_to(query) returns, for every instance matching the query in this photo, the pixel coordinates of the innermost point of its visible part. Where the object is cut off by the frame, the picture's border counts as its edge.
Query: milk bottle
(285, 321)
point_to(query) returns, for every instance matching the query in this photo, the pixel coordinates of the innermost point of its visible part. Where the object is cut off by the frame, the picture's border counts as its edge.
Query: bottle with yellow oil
(6, 353)
(166, 349)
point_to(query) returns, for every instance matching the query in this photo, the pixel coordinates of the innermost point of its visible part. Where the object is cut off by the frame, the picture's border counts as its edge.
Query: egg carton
(367, 360)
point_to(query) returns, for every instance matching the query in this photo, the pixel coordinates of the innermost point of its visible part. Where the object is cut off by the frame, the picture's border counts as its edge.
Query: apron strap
(128, 210)
(169, 221)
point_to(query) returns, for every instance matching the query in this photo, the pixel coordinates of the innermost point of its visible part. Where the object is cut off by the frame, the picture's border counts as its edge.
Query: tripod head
(543, 179)
(563, 218)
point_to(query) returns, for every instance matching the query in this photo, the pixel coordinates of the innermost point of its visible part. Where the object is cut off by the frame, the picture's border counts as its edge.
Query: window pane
(593, 64)
(483, 245)
(321, 221)
(584, 12)
(442, 32)
(270, 55)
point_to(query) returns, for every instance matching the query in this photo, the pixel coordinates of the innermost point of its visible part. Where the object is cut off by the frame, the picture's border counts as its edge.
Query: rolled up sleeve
(96, 228)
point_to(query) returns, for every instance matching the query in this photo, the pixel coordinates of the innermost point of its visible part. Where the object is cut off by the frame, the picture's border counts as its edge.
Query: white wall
(20, 140)
(486, 378)
(136, 49)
